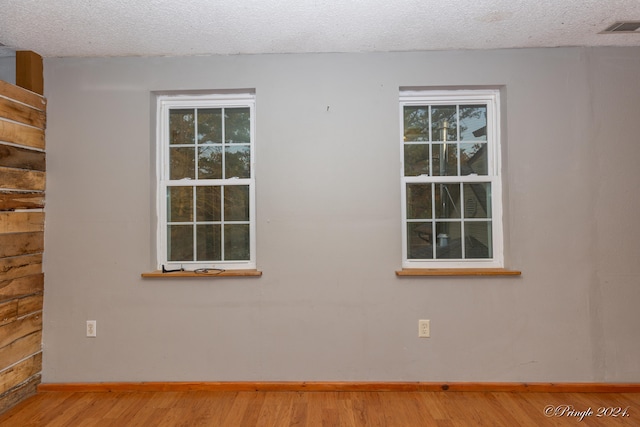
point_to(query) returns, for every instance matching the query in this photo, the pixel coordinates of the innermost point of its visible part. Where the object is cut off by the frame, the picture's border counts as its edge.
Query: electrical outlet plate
(424, 329)
(91, 328)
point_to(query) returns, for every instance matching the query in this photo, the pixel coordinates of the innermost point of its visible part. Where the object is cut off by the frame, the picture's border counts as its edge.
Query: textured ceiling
(194, 27)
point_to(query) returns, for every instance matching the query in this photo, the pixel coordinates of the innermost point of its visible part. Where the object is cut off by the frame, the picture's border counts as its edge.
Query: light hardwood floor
(315, 408)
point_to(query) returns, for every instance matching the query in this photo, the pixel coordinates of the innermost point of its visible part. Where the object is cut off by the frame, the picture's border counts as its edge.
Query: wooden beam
(21, 286)
(20, 328)
(22, 158)
(12, 200)
(21, 348)
(11, 310)
(21, 113)
(19, 266)
(8, 312)
(30, 304)
(20, 134)
(18, 222)
(15, 244)
(22, 179)
(26, 97)
(20, 372)
(29, 71)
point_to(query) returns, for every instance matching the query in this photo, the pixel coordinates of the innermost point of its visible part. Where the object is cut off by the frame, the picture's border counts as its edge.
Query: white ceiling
(56, 28)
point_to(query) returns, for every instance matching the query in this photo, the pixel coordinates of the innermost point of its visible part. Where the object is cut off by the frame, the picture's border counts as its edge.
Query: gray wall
(8, 68)
(329, 306)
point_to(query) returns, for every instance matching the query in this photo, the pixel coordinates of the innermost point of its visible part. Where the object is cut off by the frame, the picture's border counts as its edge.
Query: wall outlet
(424, 329)
(91, 328)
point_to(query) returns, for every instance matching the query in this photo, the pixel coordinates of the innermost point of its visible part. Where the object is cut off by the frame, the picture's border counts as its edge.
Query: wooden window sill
(457, 272)
(212, 273)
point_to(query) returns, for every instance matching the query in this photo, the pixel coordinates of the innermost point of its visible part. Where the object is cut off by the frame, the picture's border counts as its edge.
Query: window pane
(236, 242)
(419, 240)
(419, 201)
(477, 200)
(208, 204)
(237, 125)
(209, 245)
(181, 126)
(444, 123)
(473, 122)
(416, 123)
(210, 126)
(179, 204)
(477, 239)
(237, 162)
(236, 203)
(416, 159)
(445, 159)
(210, 162)
(182, 163)
(473, 159)
(449, 245)
(180, 243)
(447, 200)
(451, 160)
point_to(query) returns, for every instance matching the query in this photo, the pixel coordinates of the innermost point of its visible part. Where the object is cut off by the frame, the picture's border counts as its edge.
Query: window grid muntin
(428, 99)
(165, 105)
(432, 144)
(434, 219)
(194, 223)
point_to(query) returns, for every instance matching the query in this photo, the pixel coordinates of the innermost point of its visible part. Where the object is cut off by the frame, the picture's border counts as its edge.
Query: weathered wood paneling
(22, 158)
(30, 304)
(15, 244)
(21, 179)
(19, 134)
(20, 328)
(20, 372)
(21, 113)
(21, 286)
(22, 184)
(12, 200)
(19, 222)
(21, 348)
(11, 310)
(19, 393)
(34, 100)
(8, 312)
(20, 266)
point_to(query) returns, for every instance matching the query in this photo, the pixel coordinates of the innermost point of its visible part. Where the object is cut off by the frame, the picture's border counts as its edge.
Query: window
(206, 188)
(451, 190)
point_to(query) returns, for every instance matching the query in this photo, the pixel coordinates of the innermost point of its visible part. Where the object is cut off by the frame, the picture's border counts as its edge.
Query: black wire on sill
(197, 270)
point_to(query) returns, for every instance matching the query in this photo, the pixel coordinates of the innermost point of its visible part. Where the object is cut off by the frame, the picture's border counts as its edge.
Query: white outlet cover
(424, 328)
(91, 328)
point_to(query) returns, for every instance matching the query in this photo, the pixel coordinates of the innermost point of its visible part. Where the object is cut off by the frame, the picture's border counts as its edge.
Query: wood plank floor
(282, 408)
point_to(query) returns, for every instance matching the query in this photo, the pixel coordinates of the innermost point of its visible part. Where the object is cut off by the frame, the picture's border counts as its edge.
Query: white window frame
(218, 100)
(456, 97)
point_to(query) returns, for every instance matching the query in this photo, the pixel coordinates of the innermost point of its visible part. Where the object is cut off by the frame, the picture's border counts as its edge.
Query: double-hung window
(451, 188)
(206, 185)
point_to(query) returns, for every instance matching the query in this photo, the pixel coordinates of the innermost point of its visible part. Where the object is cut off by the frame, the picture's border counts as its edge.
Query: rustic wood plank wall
(22, 185)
